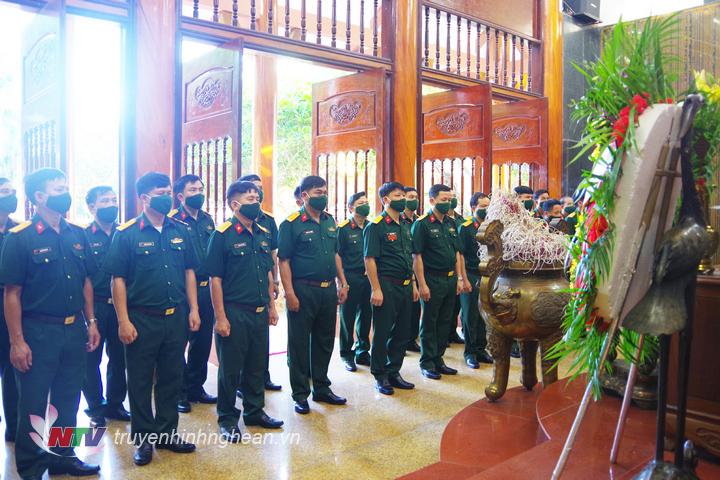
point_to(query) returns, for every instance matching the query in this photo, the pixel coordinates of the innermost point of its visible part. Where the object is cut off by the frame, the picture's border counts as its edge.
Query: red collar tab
(40, 227)
(477, 225)
(304, 217)
(142, 223)
(353, 224)
(432, 219)
(403, 217)
(388, 219)
(94, 228)
(238, 228)
(183, 215)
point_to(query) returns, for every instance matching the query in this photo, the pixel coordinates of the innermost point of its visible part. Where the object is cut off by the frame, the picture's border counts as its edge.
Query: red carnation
(646, 95)
(668, 100)
(640, 104)
(625, 112)
(596, 225)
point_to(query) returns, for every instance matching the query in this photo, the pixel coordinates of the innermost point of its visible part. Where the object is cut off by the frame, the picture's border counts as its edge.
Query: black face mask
(107, 214)
(8, 204)
(59, 203)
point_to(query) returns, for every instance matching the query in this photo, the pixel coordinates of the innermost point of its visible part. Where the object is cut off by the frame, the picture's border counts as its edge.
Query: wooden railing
(348, 25)
(346, 174)
(457, 173)
(211, 160)
(510, 175)
(459, 44)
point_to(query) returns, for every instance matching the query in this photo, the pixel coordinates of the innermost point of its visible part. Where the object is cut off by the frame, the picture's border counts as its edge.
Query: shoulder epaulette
(293, 216)
(377, 219)
(173, 212)
(468, 222)
(267, 213)
(127, 224)
(262, 228)
(20, 227)
(421, 217)
(224, 226)
(343, 223)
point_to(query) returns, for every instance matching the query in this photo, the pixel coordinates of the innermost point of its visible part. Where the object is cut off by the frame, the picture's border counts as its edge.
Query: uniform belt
(397, 281)
(440, 273)
(314, 283)
(107, 300)
(37, 317)
(247, 307)
(157, 313)
(203, 283)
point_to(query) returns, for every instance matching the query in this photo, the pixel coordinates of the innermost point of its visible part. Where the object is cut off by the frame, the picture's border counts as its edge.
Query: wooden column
(154, 102)
(406, 94)
(553, 88)
(264, 123)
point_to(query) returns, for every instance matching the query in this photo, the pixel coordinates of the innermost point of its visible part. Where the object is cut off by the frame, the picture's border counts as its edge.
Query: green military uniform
(51, 268)
(200, 230)
(9, 387)
(241, 258)
(153, 265)
(473, 325)
(355, 313)
(107, 324)
(310, 247)
(416, 309)
(267, 221)
(438, 243)
(390, 244)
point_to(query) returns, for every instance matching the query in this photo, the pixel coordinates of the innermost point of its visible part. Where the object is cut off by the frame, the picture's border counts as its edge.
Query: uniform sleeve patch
(20, 227)
(127, 224)
(224, 226)
(293, 216)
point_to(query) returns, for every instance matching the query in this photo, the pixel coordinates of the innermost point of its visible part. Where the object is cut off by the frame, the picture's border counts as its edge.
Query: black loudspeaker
(584, 11)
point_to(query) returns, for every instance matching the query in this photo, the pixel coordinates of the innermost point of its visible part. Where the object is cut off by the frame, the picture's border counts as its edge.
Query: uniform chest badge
(264, 243)
(176, 240)
(77, 246)
(391, 236)
(331, 229)
(451, 229)
(146, 244)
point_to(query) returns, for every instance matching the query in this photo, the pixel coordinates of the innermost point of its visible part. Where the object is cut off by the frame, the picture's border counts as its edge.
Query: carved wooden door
(211, 119)
(519, 143)
(456, 142)
(43, 122)
(348, 134)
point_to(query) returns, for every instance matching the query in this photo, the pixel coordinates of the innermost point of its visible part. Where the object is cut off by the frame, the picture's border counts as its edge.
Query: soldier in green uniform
(459, 220)
(267, 221)
(46, 266)
(8, 205)
(103, 205)
(240, 266)
(409, 216)
(473, 325)
(355, 313)
(437, 265)
(189, 193)
(152, 262)
(309, 268)
(388, 261)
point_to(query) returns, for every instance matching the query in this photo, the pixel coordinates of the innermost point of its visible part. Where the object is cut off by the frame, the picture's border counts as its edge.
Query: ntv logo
(46, 436)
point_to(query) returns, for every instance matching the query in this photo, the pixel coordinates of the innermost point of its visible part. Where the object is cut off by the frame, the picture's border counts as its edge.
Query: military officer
(355, 313)
(240, 266)
(309, 267)
(459, 220)
(46, 266)
(102, 203)
(525, 196)
(267, 221)
(388, 261)
(8, 205)
(189, 193)
(437, 265)
(152, 262)
(473, 325)
(411, 205)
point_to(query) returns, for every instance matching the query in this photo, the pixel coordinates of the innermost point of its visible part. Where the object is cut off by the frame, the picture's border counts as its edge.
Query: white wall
(612, 10)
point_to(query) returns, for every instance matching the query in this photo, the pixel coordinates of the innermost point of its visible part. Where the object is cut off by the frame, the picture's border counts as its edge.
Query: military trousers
(116, 387)
(392, 329)
(436, 320)
(473, 324)
(156, 354)
(415, 313)
(58, 368)
(311, 338)
(355, 316)
(7, 376)
(199, 345)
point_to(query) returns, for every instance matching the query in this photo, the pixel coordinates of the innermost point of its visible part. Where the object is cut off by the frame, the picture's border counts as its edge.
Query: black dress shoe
(264, 420)
(472, 363)
(445, 370)
(118, 413)
(399, 382)
(455, 338)
(302, 407)
(413, 347)
(143, 454)
(515, 350)
(384, 387)
(238, 393)
(32, 477)
(330, 398)
(74, 467)
(431, 374)
(204, 397)
(97, 421)
(230, 434)
(484, 357)
(363, 359)
(176, 445)
(349, 365)
(269, 385)
(183, 406)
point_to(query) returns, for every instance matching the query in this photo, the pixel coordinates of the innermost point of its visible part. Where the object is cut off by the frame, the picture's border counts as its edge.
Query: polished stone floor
(373, 437)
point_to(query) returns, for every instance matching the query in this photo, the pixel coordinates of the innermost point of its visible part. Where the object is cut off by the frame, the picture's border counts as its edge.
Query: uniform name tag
(146, 244)
(308, 232)
(264, 243)
(331, 229)
(240, 245)
(434, 230)
(176, 240)
(40, 251)
(452, 230)
(98, 244)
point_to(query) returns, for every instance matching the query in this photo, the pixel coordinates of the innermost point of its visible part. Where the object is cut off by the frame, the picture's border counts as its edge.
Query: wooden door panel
(211, 110)
(519, 142)
(348, 135)
(455, 141)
